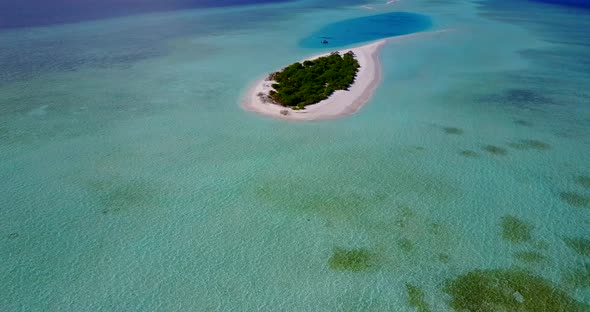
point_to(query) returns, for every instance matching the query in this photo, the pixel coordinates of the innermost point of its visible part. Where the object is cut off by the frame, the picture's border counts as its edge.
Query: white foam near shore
(340, 103)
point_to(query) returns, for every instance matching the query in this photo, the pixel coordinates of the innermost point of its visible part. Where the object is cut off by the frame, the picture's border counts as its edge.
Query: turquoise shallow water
(132, 180)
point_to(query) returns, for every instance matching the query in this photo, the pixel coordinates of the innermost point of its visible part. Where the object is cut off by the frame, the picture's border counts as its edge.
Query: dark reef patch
(530, 257)
(443, 258)
(521, 98)
(577, 277)
(515, 230)
(453, 130)
(119, 196)
(405, 215)
(575, 199)
(69, 55)
(435, 228)
(416, 298)
(353, 260)
(495, 150)
(416, 149)
(540, 245)
(523, 123)
(583, 180)
(328, 201)
(530, 144)
(579, 245)
(508, 290)
(331, 193)
(522, 95)
(405, 244)
(469, 153)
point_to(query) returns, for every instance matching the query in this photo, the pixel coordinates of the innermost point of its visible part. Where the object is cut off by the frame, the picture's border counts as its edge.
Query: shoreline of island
(340, 103)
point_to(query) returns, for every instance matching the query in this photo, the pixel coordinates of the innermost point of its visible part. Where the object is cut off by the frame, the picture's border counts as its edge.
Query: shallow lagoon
(367, 28)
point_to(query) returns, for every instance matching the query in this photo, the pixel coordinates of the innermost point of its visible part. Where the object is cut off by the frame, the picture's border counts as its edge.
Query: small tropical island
(302, 84)
(325, 86)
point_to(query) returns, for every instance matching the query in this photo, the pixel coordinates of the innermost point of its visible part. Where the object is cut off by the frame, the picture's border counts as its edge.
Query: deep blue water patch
(30, 13)
(584, 4)
(115, 43)
(366, 28)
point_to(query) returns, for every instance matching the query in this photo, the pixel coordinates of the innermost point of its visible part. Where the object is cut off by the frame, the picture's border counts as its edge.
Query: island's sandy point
(341, 102)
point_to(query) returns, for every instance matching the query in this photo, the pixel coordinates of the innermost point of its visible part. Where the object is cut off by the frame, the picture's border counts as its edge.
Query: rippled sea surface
(133, 181)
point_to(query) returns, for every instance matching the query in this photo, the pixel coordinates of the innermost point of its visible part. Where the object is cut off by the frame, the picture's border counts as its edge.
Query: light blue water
(366, 28)
(133, 181)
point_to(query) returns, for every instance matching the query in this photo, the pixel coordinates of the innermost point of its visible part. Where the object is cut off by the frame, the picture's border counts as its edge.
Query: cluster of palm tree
(301, 84)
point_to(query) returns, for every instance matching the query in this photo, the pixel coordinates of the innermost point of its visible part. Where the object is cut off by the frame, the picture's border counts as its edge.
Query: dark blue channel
(366, 28)
(583, 4)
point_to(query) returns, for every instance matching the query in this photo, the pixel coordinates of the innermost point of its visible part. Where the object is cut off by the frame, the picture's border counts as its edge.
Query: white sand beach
(340, 103)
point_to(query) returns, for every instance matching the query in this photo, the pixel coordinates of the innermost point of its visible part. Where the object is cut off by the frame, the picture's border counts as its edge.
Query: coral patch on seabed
(583, 181)
(443, 258)
(495, 150)
(579, 245)
(508, 290)
(575, 199)
(453, 130)
(406, 245)
(416, 298)
(515, 230)
(469, 153)
(577, 277)
(353, 260)
(525, 99)
(530, 257)
(117, 196)
(530, 144)
(523, 123)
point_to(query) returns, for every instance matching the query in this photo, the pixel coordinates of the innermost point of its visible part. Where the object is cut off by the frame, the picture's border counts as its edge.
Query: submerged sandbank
(340, 103)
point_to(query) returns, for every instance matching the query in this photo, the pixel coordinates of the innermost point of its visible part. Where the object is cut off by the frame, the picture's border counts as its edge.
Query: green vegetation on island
(312, 81)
